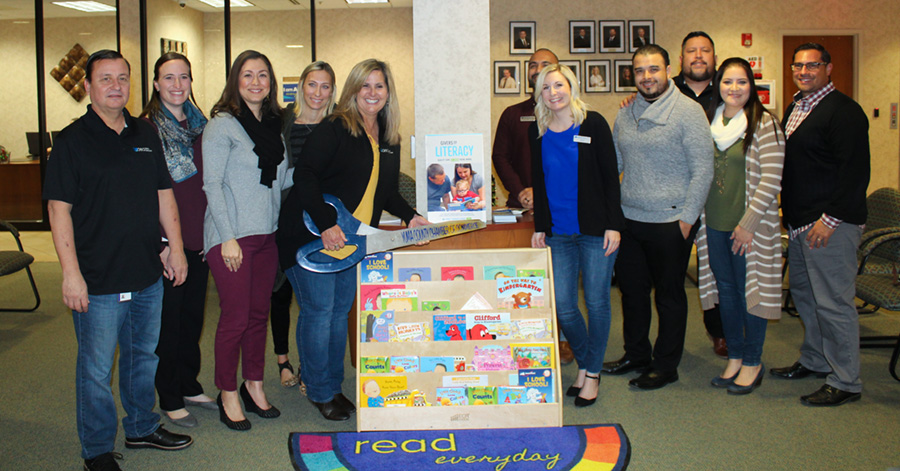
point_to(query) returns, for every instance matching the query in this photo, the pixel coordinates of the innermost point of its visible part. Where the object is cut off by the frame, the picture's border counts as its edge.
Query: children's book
(477, 303)
(493, 358)
(409, 332)
(510, 395)
(375, 326)
(452, 396)
(531, 272)
(414, 274)
(459, 363)
(435, 305)
(457, 273)
(538, 383)
(520, 292)
(529, 329)
(375, 389)
(436, 364)
(400, 300)
(464, 380)
(488, 326)
(482, 395)
(375, 364)
(531, 355)
(370, 296)
(377, 268)
(449, 327)
(404, 364)
(493, 272)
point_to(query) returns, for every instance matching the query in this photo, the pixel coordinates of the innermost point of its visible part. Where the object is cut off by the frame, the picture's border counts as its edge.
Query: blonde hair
(348, 112)
(317, 65)
(542, 113)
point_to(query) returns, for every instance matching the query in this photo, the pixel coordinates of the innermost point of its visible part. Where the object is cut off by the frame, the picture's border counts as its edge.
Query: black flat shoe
(828, 396)
(582, 402)
(161, 439)
(240, 425)
(623, 366)
(654, 379)
(250, 405)
(344, 403)
(331, 410)
(796, 371)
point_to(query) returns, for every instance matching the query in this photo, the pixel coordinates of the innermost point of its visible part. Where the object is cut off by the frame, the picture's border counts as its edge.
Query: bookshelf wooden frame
(461, 417)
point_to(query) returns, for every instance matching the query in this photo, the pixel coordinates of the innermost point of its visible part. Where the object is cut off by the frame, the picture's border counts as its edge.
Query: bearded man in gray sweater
(665, 154)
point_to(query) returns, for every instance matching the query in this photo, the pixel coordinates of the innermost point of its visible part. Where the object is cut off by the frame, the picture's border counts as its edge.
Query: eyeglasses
(810, 66)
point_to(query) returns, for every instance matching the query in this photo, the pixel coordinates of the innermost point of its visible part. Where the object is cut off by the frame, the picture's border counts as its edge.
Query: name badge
(124, 297)
(527, 119)
(582, 139)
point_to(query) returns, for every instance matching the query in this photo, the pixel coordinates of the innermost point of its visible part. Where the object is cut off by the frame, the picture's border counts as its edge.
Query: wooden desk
(20, 191)
(494, 236)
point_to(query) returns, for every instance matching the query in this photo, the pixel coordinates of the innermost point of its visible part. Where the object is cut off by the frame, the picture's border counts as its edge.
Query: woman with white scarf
(172, 111)
(739, 243)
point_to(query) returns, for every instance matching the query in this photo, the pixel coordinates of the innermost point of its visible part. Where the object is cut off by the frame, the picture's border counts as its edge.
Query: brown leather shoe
(566, 355)
(720, 347)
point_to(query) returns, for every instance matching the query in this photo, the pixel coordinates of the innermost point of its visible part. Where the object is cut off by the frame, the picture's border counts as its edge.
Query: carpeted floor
(685, 426)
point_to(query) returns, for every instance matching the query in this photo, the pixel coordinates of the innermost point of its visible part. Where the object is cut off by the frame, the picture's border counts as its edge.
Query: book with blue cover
(377, 268)
(448, 327)
(538, 383)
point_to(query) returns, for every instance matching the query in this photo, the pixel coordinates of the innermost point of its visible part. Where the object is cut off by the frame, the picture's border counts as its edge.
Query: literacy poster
(459, 183)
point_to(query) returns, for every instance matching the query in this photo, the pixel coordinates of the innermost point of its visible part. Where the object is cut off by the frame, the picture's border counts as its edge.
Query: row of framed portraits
(600, 76)
(587, 37)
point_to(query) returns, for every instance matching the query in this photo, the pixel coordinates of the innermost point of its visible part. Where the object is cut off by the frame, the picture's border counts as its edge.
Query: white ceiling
(24, 9)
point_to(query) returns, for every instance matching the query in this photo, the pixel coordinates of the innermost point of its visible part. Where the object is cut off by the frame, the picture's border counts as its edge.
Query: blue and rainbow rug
(575, 447)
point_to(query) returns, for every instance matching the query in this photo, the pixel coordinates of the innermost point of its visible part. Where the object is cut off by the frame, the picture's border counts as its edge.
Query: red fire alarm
(746, 39)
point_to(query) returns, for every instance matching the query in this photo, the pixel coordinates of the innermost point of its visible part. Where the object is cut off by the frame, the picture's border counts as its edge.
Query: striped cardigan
(765, 161)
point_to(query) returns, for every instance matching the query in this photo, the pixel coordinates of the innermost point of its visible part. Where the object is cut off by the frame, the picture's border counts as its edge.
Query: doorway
(841, 50)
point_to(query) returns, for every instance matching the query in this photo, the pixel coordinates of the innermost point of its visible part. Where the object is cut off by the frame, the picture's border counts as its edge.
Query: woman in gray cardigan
(245, 171)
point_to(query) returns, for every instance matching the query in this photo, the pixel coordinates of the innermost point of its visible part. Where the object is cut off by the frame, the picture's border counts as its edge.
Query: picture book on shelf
(409, 332)
(488, 326)
(375, 389)
(375, 364)
(404, 364)
(436, 364)
(400, 300)
(532, 329)
(377, 268)
(493, 358)
(538, 383)
(476, 303)
(452, 396)
(531, 355)
(457, 273)
(414, 274)
(464, 380)
(435, 305)
(375, 326)
(482, 395)
(459, 363)
(370, 296)
(510, 395)
(531, 272)
(492, 272)
(520, 292)
(449, 327)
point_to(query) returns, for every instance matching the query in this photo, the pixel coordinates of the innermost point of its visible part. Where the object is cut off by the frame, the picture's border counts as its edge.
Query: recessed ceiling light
(21, 22)
(234, 3)
(367, 1)
(294, 46)
(90, 7)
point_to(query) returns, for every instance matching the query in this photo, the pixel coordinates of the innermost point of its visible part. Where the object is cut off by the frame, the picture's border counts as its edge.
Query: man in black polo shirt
(109, 191)
(823, 198)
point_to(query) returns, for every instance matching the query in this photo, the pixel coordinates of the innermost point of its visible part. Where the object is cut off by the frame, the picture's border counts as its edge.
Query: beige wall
(165, 19)
(874, 22)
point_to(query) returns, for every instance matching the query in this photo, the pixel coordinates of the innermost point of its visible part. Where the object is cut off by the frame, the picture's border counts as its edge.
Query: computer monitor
(34, 143)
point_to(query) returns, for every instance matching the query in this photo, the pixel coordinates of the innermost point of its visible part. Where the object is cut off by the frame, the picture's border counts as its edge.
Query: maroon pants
(244, 301)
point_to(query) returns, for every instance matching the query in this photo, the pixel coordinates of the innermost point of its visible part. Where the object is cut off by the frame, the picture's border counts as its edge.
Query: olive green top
(725, 203)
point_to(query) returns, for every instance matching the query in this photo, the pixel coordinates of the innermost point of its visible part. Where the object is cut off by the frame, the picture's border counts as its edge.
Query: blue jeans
(584, 254)
(325, 301)
(744, 332)
(134, 325)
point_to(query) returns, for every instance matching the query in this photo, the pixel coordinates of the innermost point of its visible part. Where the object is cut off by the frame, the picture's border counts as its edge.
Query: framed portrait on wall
(613, 36)
(767, 93)
(597, 78)
(581, 37)
(506, 77)
(521, 37)
(624, 76)
(576, 68)
(640, 33)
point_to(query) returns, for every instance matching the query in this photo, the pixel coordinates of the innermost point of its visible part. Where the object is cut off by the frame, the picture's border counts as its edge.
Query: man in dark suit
(581, 40)
(522, 42)
(826, 175)
(612, 38)
(640, 38)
